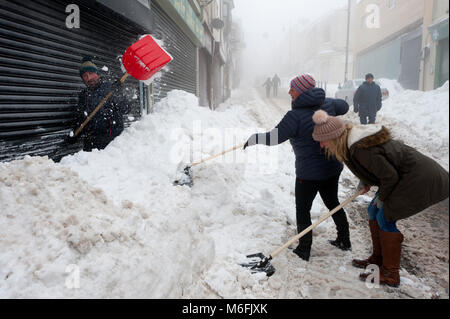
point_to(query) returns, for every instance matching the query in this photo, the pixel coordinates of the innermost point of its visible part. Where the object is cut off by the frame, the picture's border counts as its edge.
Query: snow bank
(421, 119)
(236, 202)
(392, 86)
(54, 225)
(116, 215)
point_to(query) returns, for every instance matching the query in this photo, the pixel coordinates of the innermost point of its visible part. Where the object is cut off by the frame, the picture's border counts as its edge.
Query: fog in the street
(266, 26)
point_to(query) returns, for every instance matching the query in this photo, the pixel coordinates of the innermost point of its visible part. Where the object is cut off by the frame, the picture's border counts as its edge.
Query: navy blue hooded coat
(311, 163)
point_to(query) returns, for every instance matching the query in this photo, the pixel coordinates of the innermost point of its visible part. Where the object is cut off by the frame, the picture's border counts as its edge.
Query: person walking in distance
(276, 82)
(268, 86)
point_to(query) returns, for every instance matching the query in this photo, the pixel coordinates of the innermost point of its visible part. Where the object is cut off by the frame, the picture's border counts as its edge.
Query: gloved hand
(251, 141)
(71, 139)
(356, 108)
(378, 203)
(362, 186)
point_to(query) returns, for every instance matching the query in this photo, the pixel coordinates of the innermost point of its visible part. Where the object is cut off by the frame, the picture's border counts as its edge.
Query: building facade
(388, 39)
(41, 53)
(435, 50)
(40, 59)
(325, 54)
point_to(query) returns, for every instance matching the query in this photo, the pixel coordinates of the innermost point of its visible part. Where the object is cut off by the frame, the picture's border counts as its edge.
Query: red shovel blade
(145, 58)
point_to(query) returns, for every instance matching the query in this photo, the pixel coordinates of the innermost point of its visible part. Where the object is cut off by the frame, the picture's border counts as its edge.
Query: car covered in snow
(347, 91)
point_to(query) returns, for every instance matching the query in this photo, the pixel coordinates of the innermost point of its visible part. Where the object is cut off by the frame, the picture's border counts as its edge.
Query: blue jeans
(377, 214)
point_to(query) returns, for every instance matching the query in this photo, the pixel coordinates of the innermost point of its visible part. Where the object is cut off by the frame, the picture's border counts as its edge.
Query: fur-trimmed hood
(365, 136)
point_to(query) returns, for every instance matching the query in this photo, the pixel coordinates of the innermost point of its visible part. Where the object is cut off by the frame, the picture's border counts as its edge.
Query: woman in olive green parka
(408, 182)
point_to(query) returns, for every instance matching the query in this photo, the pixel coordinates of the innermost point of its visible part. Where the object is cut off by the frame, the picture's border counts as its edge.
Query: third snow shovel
(185, 177)
(258, 263)
(142, 60)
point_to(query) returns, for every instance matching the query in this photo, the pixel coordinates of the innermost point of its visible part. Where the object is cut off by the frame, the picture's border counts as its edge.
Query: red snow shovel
(142, 60)
(259, 263)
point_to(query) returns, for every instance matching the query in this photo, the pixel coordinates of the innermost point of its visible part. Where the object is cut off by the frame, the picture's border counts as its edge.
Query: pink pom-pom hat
(327, 127)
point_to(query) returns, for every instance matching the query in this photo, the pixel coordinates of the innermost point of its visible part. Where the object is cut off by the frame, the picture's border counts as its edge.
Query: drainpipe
(348, 41)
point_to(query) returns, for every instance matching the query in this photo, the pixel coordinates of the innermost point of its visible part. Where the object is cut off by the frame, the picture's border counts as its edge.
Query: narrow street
(133, 160)
(329, 273)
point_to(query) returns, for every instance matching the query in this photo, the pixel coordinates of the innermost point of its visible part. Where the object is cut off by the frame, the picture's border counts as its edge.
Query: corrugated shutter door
(182, 71)
(39, 63)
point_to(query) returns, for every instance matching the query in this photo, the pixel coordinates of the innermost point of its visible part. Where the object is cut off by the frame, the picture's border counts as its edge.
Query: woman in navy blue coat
(315, 172)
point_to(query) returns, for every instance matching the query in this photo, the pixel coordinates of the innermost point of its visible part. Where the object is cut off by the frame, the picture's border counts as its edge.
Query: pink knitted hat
(327, 127)
(303, 83)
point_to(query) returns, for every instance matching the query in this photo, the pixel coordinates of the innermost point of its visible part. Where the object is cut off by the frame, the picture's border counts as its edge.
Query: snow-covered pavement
(115, 216)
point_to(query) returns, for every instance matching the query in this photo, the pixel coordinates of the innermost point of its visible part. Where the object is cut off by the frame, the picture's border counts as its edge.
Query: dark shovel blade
(184, 178)
(259, 263)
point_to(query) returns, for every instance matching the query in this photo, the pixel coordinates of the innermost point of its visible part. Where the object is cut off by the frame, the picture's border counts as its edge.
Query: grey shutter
(39, 63)
(182, 74)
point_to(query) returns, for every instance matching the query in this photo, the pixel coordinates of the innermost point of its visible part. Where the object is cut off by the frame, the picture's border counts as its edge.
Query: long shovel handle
(276, 252)
(99, 106)
(214, 156)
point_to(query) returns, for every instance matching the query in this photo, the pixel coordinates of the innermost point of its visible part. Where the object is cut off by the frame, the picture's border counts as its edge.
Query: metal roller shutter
(182, 74)
(39, 63)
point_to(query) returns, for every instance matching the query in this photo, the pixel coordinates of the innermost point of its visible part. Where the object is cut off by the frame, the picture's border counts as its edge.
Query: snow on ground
(393, 86)
(51, 220)
(116, 215)
(421, 120)
(418, 118)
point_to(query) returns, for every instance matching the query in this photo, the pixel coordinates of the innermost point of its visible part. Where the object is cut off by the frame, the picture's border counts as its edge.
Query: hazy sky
(266, 22)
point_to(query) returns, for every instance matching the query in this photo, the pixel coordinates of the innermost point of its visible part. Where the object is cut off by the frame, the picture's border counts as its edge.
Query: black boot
(302, 252)
(341, 243)
(303, 249)
(343, 233)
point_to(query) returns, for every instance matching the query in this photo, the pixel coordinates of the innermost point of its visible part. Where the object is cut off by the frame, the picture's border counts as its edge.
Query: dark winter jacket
(367, 100)
(108, 122)
(276, 81)
(297, 125)
(408, 181)
(268, 84)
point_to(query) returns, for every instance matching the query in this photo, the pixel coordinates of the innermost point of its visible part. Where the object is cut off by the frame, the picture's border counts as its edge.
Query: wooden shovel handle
(214, 156)
(99, 106)
(276, 252)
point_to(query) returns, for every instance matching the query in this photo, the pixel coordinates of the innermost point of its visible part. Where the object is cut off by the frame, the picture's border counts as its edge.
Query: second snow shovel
(258, 263)
(185, 175)
(142, 60)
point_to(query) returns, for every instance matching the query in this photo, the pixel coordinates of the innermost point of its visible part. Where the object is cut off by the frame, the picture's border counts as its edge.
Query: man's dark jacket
(108, 122)
(311, 163)
(367, 99)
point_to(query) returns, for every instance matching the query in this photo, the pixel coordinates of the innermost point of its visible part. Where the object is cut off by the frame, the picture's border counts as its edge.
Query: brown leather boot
(376, 257)
(391, 246)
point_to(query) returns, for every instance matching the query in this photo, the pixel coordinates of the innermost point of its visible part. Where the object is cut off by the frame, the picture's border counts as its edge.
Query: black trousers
(363, 119)
(305, 192)
(99, 142)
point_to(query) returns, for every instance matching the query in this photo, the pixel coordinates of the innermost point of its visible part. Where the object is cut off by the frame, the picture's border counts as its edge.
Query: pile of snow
(421, 119)
(242, 206)
(116, 215)
(56, 227)
(393, 86)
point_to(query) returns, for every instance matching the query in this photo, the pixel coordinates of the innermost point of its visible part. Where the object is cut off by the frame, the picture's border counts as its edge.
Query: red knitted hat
(303, 83)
